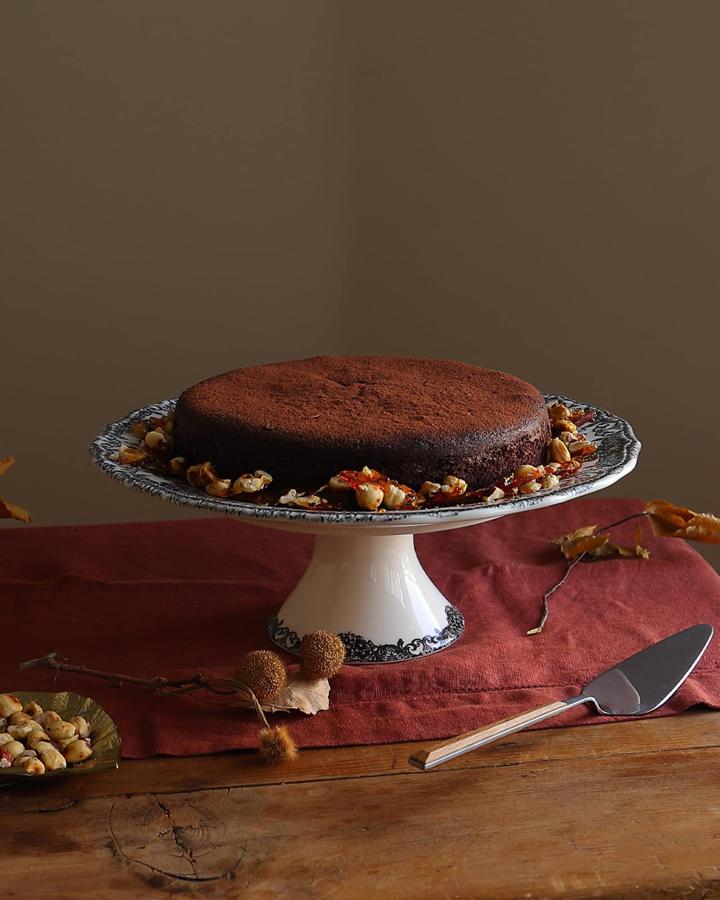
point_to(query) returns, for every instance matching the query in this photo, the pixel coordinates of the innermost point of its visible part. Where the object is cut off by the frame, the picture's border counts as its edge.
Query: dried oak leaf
(598, 546)
(306, 695)
(669, 520)
(10, 510)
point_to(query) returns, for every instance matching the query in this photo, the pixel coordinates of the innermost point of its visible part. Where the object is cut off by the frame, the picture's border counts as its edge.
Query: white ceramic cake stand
(364, 581)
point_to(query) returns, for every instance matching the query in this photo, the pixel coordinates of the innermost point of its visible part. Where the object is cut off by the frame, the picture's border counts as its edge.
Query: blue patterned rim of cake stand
(618, 449)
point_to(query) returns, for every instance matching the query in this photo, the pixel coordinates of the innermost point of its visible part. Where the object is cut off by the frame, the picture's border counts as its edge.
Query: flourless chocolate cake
(414, 419)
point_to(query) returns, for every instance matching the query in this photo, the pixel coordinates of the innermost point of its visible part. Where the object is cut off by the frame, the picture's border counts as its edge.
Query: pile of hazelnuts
(38, 740)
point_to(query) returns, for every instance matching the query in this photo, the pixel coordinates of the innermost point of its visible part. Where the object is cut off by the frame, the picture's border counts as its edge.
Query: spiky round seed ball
(322, 654)
(276, 745)
(264, 673)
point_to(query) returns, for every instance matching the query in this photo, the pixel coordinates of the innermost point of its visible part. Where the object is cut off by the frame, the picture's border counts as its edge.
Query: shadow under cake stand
(364, 581)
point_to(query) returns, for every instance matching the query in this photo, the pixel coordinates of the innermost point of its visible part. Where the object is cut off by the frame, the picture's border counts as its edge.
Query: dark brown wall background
(188, 187)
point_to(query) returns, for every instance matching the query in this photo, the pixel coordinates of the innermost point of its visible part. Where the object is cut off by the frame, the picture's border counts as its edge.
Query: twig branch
(164, 685)
(640, 515)
(221, 685)
(548, 594)
(571, 565)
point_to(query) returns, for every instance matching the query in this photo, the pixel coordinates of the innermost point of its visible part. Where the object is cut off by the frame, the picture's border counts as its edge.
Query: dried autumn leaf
(582, 540)
(636, 552)
(669, 520)
(11, 511)
(586, 541)
(307, 695)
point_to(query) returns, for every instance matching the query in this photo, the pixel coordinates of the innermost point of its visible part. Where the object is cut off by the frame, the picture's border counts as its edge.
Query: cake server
(634, 687)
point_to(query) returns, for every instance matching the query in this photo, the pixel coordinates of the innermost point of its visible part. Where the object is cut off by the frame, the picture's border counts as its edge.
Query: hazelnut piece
(52, 759)
(77, 751)
(81, 724)
(369, 496)
(9, 704)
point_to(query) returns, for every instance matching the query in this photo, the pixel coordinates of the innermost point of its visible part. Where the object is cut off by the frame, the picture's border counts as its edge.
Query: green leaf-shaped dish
(106, 743)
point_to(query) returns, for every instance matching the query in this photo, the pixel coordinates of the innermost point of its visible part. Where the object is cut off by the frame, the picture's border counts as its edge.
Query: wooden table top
(618, 810)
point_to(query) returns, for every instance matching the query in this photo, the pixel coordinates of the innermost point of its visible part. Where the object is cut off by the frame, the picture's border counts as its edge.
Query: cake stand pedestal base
(370, 590)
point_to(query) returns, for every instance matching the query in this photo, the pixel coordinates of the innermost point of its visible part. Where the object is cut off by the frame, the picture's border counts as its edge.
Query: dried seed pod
(276, 745)
(322, 654)
(9, 704)
(82, 726)
(77, 751)
(53, 759)
(264, 673)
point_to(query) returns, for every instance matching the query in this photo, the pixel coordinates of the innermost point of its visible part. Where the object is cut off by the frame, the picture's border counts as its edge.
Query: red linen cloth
(173, 598)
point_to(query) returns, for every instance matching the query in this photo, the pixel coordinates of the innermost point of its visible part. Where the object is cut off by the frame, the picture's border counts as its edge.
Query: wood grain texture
(626, 810)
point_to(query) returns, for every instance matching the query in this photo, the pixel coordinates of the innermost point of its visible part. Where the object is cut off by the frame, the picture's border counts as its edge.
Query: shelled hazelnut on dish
(454, 486)
(252, 484)
(565, 425)
(9, 705)
(38, 740)
(300, 499)
(374, 491)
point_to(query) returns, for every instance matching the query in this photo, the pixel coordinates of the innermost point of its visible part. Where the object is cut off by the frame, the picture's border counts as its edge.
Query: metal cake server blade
(634, 687)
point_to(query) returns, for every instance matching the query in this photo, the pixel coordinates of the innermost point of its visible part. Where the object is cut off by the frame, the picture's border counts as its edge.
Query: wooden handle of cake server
(464, 743)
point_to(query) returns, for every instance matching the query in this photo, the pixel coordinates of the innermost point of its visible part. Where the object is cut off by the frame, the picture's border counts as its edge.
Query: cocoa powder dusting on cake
(371, 396)
(414, 418)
